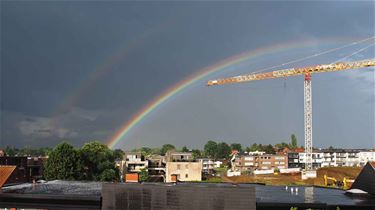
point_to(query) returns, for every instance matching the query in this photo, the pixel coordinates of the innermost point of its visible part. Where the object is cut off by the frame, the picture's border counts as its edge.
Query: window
(186, 175)
(187, 166)
(178, 166)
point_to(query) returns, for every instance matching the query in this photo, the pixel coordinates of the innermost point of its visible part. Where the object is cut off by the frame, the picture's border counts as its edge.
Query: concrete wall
(184, 196)
(185, 171)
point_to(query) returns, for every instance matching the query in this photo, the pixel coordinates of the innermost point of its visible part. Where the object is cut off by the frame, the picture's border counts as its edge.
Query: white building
(208, 165)
(135, 162)
(365, 156)
(317, 158)
(218, 164)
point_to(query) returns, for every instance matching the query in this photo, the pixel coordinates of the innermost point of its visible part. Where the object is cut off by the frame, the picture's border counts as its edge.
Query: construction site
(307, 72)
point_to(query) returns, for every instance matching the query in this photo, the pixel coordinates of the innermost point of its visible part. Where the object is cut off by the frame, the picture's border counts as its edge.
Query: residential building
(269, 161)
(35, 167)
(208, 165)
(293, 160)
(246, 162)
(261, 162)
(258, 153)
(366, 156)
(156, 168)
(340, 157)
(183, 171)
(134, 162)
(317, 159)
(21, 173)
(173, 156)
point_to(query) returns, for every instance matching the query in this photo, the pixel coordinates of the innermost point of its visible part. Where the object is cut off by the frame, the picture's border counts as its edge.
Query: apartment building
(208, 165)
(269, 161)
(317, 159)
(134, 162)
(332, 158)
(261, 162)
(366, 156)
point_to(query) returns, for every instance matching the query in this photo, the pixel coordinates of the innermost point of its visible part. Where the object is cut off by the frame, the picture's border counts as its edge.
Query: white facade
(134, 162)
(218, 164)
(335, 159)
(364, 157)
(255, 153)
(317, 157)
(207, 165)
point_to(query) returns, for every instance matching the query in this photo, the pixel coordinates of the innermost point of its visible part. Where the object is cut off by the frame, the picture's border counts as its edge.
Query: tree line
(94, 161)
(220, 150)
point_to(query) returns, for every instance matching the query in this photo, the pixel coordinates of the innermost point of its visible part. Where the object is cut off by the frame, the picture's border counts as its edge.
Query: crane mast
(306, 71)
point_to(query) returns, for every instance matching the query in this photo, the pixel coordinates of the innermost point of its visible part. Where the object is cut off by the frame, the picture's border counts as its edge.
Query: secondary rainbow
(180, 86)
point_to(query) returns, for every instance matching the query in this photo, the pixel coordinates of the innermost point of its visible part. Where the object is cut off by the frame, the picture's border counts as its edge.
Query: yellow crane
(306, 71)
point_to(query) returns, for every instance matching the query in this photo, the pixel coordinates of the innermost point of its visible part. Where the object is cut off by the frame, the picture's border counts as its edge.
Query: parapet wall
(180, 196)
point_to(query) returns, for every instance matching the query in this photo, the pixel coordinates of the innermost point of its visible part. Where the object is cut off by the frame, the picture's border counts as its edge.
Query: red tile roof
(5, 172)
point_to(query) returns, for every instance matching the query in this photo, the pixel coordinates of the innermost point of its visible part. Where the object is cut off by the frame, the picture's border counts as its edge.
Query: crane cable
(315, 55)
(354, 53)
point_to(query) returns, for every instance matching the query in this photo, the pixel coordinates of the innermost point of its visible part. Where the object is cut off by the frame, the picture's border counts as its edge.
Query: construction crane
(306, 71)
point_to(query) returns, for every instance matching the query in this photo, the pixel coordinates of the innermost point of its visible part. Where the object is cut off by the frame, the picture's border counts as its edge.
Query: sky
(79, 71)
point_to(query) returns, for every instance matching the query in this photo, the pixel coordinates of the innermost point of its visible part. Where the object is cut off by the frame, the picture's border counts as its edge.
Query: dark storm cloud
(50, 49)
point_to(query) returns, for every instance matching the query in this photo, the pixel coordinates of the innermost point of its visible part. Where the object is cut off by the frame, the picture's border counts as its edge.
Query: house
(156, 168)
(21, 174)
(180, 166)
(134, 162)
(172, 156)
(183, 171)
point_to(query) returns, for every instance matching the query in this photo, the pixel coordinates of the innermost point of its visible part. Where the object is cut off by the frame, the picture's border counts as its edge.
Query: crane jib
(295, 72)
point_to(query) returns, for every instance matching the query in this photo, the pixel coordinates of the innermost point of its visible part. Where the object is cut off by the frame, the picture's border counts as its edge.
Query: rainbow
(183, 84)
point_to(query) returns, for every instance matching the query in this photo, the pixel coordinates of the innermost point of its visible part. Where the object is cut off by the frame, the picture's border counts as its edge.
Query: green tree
(196, 153)
(119, 154)
(108, 175)
(165, 148)
(143, 175)
(97, 158)
(223, 150)
(155, 151)
(254, 147)
(184, 149)
(146, 151)
(293, 143)
(210, 149)
(282, 145)
(236, 146)
(63, 163)
(269, 149)
(10, 151)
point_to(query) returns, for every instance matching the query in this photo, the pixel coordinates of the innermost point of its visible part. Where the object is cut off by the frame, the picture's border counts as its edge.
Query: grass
(214, 180)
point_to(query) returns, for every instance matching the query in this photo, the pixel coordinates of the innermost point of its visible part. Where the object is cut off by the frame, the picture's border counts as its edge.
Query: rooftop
(264, 194)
